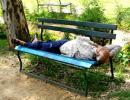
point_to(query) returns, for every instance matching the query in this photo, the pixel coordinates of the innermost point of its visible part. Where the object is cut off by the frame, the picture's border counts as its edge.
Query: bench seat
(61, 58)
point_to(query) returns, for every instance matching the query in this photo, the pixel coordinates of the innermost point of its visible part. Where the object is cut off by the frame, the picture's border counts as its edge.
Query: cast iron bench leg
(20, 61)
(86, 81)
(111, 65)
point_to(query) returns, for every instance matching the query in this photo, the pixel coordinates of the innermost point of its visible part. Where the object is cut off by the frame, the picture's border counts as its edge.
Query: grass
(4, 49)
(98, 81)
(3, 44)
(121, 95)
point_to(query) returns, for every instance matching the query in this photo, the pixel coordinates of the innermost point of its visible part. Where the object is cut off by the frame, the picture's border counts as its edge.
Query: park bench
(63, 7)
(49, 24)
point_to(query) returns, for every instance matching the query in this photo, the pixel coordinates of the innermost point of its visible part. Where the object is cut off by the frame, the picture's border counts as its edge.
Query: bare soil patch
(17, 86)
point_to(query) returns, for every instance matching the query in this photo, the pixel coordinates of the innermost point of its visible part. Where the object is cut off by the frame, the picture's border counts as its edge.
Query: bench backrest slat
(79, 31)
(79, 23)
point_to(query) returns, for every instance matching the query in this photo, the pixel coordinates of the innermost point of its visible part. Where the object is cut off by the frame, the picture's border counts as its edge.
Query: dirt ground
(17, 86)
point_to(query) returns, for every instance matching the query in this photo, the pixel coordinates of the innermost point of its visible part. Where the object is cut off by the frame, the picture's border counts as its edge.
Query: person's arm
(113, 49)
(94, 44)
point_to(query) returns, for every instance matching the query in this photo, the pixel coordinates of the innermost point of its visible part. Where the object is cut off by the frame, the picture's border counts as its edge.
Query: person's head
(102, 54)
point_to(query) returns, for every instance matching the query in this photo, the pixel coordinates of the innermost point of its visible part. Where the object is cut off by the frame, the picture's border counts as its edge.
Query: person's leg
(18, 42)
(57, 44)
(34, 45)
(52, 46)
(113, 49)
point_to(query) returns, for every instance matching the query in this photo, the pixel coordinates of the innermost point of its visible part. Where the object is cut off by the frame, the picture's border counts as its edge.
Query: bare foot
(35, 39)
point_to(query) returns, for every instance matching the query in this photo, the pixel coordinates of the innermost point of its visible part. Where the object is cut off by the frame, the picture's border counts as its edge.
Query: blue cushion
(69, 60)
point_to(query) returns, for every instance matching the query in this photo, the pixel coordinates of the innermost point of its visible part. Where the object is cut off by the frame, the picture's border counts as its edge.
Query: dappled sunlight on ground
(17, 86)
(121, 38)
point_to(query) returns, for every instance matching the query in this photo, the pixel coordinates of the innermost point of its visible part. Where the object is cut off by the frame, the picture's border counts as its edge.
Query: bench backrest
(78, 31)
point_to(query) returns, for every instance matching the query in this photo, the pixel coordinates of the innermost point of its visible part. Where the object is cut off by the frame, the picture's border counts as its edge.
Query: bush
(123, 56)
(50, 36)
(32, 17)
(123, 18)
(2, 31)
(123, 59)
(93, 12)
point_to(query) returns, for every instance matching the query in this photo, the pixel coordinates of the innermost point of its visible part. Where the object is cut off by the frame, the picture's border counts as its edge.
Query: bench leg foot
(111, 65)
(20, 61)
(86, 82)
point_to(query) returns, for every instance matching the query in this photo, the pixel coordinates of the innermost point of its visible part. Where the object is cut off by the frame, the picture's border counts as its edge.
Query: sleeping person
(81, 48)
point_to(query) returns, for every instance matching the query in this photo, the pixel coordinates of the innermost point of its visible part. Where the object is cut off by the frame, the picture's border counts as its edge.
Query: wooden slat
(80, 32)
(79, 23)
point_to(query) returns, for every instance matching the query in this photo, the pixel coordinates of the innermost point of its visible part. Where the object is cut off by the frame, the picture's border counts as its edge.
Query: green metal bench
(77, 63)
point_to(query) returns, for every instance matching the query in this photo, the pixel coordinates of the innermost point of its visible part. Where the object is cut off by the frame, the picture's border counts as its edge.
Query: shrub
(123, 56)
(123, 59)
(93, 12)
(32, 17)
(2, 31)
(50, 36)
(123, 18)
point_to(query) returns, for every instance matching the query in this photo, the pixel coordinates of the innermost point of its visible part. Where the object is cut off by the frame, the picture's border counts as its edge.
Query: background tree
(15, 20)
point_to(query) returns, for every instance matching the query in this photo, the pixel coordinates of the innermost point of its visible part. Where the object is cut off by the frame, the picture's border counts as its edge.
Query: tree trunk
(15, 20)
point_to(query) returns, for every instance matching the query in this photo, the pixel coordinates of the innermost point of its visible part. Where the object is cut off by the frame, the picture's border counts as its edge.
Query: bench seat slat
(73, 61)
(79, 31)
(79, 23)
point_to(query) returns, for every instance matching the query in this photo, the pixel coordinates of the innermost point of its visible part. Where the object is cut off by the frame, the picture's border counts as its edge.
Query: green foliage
(119, 11)
(123, 60)
(1, 13)
(69, 36)
(50, 36)
(120, 95)
(3, 44)
(124, 55)
(2, 31)
(32, 17)
(93, 12)
(123, 17)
